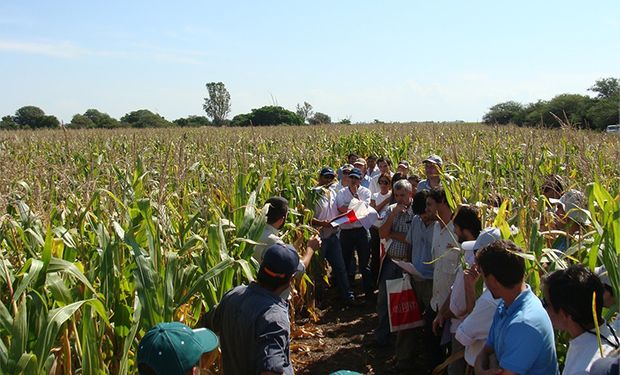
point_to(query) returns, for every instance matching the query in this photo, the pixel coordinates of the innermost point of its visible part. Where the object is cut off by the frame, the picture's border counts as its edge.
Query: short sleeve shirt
(522, 337)
(474, 330)
(420, 236)
(446, 254)
(254, 330)
(402, 223)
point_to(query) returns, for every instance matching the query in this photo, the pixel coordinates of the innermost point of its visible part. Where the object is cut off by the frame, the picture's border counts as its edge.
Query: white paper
(410, 269)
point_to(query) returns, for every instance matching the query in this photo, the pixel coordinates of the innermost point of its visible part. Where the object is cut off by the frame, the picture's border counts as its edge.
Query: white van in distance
(613, 129)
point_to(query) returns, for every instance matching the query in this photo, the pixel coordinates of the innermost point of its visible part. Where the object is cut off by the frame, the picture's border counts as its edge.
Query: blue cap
(327, 171)
(356, 173)
(174, 348)
(280, 261)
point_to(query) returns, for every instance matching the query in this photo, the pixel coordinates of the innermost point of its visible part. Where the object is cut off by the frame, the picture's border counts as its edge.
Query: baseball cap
(355, 172)
(347, 167)
(486, 237)
(404, 163)
(327, 171)
(360, 161)
(280, 261)
(435, 159)
(573, 203)
(174, 348)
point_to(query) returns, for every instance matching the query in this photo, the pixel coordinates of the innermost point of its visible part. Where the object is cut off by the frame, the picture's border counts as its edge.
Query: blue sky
(363, 60)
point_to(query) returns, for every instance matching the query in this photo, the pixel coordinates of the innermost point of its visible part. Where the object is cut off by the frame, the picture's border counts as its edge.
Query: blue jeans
(389, 271)
(332, 252)
(357, 239)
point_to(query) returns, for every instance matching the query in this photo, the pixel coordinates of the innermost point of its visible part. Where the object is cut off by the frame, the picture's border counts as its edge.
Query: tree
(217, 105)
(33, 117)
(81, 122)
(305, 111)
(606, 87)
(101, 120)
(571, 107)
(320, 118)
(192, 121)
(144, 118)
(267, 115)
(505, 113)
(7, 123)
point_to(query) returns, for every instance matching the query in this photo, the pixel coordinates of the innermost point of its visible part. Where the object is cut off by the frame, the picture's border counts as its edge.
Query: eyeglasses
(384, 182)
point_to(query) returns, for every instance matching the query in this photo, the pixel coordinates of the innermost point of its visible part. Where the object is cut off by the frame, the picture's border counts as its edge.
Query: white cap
(486, 237)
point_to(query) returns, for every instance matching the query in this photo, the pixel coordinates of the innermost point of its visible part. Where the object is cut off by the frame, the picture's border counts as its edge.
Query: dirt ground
(340, 340)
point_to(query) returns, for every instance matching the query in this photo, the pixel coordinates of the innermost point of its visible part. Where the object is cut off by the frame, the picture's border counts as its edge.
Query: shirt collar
(516, 304)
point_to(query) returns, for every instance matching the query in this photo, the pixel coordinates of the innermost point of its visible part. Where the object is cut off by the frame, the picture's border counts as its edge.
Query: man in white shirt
(446, 253)
(373, 169)
(276, 217)
(353, 236)
(473, 330)
(568, 301)
(324, 212)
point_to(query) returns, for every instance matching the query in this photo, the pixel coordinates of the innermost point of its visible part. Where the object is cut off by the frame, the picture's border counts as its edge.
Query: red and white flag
(358, 211)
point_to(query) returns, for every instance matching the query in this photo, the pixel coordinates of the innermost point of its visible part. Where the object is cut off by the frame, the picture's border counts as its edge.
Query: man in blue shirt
(253, 321)
(521, 335)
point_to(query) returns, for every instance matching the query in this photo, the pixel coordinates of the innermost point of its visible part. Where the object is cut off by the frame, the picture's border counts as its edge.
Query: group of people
(479, 313)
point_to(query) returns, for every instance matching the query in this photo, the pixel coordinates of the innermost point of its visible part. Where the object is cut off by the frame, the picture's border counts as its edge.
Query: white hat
(435, 159)
(486, 237)
(573, 203)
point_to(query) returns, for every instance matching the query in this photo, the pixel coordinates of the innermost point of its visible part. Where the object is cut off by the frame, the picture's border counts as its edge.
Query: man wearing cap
(353, 236)
(325, 211)
(175, 349)
(432, 168)
(403, 168)
(253, 321)
(473, 331)
(360, 164)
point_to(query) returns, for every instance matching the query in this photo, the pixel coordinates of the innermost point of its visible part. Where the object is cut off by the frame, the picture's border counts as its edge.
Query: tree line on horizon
(577, 110)
(216, 106)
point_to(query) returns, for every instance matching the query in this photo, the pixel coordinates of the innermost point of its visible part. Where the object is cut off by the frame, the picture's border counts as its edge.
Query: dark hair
(571, 290)
(352, 155)
(384, 159)
(371, 157)
(418, 206)
(414, 177)
(385, 176)
(500, 260)
(467, 218)
(553, 182)
(271, 283)
(438, 195)
(278, 207)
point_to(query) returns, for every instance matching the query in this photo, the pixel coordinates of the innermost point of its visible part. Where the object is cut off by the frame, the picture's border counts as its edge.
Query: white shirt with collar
(446, 254)
(583, 350)
(344, 197)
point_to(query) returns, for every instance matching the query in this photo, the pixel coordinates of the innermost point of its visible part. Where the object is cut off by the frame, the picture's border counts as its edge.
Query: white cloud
(58, 49)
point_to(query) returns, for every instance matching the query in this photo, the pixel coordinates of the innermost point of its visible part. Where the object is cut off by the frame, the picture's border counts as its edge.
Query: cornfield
(103, 234)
